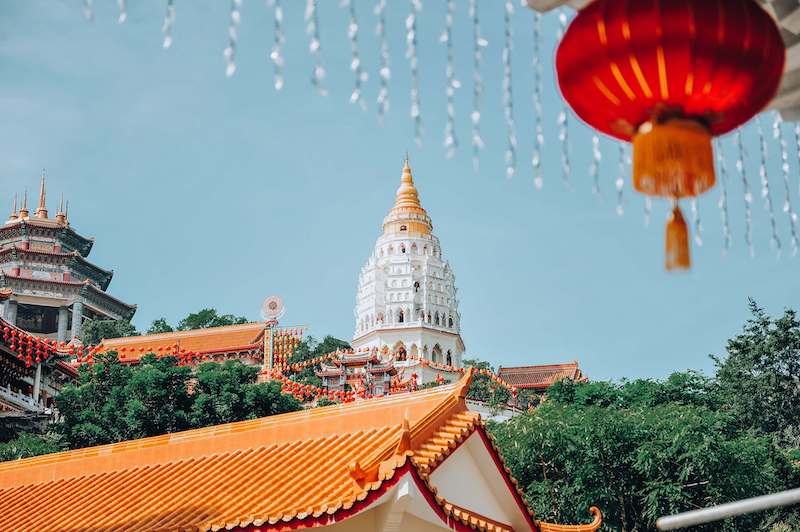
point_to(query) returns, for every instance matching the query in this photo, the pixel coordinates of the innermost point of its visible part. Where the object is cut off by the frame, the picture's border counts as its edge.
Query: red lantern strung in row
(668, 75)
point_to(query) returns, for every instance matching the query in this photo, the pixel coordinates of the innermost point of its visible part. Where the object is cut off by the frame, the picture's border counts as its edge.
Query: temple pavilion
(53, 287)
(419, 461)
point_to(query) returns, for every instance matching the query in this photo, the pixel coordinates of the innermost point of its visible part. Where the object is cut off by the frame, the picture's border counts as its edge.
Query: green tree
(482, 388)
(113, 402)
(27, 445)
(228, 392)
(94, 331)
(208, 317)
(160, 326)
(758, 380)
(637, 454)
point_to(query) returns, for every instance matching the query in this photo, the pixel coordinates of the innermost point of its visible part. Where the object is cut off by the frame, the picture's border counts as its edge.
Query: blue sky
(206, 191)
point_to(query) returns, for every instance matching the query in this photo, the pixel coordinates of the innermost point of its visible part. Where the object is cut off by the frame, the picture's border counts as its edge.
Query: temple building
(365, 369)
(418, 462)
(539, 378)
(54, 288)
(406, 302)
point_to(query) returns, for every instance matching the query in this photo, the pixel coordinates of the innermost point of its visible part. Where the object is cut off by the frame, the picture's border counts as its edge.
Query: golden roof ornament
(13, 215)
(407, 215)
(23, 212)
(61, 216)
(41, 210)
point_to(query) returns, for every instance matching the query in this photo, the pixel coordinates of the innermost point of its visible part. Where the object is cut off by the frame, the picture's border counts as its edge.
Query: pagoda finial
(406, 161)
(41, 211)
(61, 216)
(13, 215)
(407, 195)
(23, 212)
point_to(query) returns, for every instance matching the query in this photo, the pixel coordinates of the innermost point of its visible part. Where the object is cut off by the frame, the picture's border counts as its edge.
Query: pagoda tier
(54, 287)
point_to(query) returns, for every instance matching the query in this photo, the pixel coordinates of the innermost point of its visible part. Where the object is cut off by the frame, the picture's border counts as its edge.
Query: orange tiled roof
(588, 527)
(539, 377)
(303, 466)
(230, 338)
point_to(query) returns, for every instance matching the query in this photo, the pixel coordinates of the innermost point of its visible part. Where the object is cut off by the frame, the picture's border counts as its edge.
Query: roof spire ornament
(13, 215)
(407, 213)
(23, 212)
(41, 210)
(61, 216)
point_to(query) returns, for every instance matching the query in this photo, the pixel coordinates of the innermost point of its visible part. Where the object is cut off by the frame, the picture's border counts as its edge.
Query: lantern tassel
(677, 241)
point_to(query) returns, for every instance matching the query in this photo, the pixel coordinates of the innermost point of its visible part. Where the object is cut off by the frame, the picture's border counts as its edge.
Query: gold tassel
(673, 158)
(677, 242)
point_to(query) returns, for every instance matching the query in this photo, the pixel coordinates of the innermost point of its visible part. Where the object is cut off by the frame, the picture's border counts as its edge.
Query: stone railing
(19, 400)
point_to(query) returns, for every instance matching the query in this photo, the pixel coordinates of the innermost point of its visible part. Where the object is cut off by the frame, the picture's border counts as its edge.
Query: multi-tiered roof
(43, 261)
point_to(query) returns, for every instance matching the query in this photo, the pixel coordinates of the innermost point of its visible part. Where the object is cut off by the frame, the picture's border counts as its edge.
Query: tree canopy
(94, 331)
(646, 448)
(113, 402)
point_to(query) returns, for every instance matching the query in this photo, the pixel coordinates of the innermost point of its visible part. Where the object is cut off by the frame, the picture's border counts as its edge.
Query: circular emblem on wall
(272, 308)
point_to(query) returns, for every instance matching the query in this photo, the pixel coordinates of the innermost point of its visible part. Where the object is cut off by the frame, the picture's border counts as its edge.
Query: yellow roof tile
(228, 338)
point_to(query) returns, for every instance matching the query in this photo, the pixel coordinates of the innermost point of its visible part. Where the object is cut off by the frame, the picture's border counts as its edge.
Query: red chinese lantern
(668, 76)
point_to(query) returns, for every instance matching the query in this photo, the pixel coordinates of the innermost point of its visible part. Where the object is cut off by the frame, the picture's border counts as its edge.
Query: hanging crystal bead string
(648, 210)
(766, 196)
(563, 116)
(123, 11)
(411, 55)
(594, 167)
(233, 36)
(777, 133)
(508, 95)
(88, 10)
(315, 46)
(748, 195)
(450, 138)
(797, 142)
(698, 226)
(166, 26)
(279, 37)
(538, 130)
(478, 42)
(619, 182)
(384, 73)
(723, 198)
(355, 59)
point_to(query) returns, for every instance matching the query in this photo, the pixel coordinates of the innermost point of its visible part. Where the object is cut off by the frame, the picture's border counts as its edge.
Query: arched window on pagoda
(401, 353)
(401, 316)
(436, 318)
(450, 322)
(402, 248)
(416, 286)
(404, 228)
(449, 358)
(414, 248)
(436, 354)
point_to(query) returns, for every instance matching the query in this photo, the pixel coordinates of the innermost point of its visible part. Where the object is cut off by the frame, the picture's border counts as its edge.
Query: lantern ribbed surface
(624, 62)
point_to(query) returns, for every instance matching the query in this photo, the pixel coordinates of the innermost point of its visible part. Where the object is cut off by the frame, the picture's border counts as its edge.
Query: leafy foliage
(637, 454)
(27, 445)
(759, 380)
(208, 317)
(160, 326)
(482, 388)
(113, 402)
(94, 331)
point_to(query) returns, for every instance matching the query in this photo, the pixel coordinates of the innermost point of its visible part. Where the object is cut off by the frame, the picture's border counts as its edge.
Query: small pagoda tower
(406, 303)
(54, 288)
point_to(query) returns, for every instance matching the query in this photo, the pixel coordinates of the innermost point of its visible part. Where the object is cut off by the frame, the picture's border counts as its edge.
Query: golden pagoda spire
(407, 215)
(23, 212)
(13, 215)
(61, 216)
(41, 211)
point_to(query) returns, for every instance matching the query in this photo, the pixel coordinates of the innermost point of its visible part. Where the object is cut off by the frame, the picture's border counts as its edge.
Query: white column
(77, 318)
(63, 321)
(37, 383)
